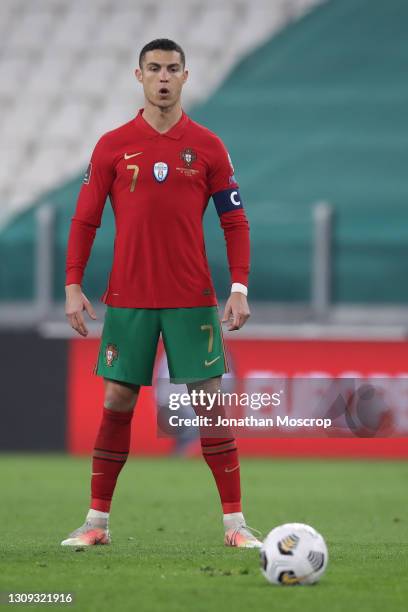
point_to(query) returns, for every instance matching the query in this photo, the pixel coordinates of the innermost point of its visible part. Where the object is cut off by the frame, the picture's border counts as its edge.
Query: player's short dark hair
(164, 44)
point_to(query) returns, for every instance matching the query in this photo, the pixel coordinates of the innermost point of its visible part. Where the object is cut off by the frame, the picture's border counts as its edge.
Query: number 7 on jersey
(134, 177)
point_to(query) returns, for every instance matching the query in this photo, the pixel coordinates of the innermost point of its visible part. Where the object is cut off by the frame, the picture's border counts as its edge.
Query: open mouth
(163, 91)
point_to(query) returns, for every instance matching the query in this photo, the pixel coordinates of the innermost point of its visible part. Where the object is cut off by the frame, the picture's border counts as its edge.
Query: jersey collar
(148, 131)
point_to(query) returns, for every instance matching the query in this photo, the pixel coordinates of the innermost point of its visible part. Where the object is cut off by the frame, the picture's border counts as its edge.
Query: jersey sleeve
(234, 223)
(236, 233)
(221, 175)
(88, 214)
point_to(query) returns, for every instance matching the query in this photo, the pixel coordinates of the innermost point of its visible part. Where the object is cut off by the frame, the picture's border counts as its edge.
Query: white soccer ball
(293, 553)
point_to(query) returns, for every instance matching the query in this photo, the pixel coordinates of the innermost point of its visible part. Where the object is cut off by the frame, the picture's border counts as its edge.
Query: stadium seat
(84, 55)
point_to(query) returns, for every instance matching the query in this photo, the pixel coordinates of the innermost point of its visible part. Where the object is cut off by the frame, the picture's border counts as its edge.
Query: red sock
(109, 457)
(221, 455)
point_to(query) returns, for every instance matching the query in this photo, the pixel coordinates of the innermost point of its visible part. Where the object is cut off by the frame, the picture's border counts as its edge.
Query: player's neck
(160, 119)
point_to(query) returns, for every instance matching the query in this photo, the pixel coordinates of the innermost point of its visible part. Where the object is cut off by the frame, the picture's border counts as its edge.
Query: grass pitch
(167, 553)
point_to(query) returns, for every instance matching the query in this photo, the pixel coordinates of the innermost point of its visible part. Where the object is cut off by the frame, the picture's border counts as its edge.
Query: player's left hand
(236, 311)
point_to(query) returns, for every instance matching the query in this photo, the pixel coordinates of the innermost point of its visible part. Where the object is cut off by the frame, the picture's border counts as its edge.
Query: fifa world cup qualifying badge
(111, 354)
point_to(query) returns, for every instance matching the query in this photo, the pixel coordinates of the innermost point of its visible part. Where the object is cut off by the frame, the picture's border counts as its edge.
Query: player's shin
(221, 456)
(109, 456)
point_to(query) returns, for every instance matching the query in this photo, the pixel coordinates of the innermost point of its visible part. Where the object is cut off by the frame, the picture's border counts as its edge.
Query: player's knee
(120, 398)
(118, 403)
(210, 385)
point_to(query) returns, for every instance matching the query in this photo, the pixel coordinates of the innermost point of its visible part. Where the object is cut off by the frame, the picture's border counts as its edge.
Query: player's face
(162, 76)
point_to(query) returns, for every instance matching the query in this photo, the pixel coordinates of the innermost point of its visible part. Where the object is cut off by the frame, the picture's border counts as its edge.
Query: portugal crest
(160, 171)
(188, 156)
(111, 353)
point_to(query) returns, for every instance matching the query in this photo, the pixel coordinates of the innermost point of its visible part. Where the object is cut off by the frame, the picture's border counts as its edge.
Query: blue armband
(226, 200)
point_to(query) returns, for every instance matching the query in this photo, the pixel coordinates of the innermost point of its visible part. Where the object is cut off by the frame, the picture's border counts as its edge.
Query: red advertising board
(251, 358)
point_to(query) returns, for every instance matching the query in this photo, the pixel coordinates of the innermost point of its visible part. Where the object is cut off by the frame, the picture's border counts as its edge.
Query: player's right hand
(76, 302)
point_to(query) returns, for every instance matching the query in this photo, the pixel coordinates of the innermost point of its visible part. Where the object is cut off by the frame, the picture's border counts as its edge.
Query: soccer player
(159, 170)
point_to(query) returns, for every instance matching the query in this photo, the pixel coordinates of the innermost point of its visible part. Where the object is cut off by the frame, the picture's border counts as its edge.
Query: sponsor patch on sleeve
(231, 164)
(226, 200)
(88, 173)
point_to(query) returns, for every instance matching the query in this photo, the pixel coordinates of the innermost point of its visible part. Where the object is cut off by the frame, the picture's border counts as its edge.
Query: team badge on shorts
(160, 171)
(188, 156)
(111, 354)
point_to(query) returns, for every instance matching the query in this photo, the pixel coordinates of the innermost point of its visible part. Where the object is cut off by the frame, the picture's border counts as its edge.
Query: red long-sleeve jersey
(159, 186)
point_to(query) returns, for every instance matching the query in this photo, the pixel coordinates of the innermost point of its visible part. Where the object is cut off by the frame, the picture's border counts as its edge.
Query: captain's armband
(226, 200)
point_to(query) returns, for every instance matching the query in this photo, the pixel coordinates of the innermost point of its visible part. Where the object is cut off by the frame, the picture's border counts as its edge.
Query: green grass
(168, 554)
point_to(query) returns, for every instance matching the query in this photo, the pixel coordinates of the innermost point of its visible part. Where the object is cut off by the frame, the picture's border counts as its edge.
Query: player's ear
(185, 76)
(138, 74)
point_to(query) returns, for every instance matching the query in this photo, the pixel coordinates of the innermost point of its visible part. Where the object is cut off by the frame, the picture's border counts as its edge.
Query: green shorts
(192, 339)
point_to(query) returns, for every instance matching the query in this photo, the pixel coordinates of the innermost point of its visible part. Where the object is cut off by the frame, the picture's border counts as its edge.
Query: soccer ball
(293, 553)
